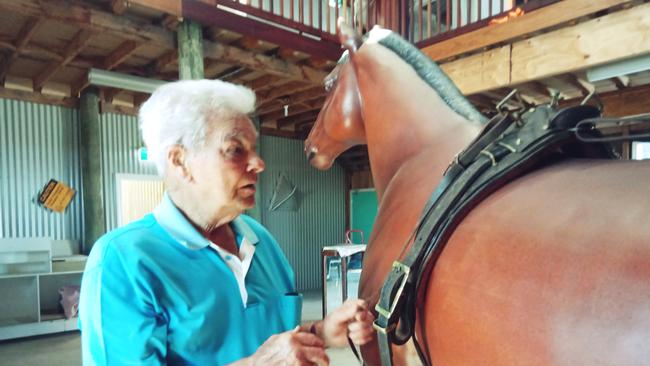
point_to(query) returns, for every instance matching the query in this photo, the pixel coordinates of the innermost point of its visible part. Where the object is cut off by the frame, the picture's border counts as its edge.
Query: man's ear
(176, 160)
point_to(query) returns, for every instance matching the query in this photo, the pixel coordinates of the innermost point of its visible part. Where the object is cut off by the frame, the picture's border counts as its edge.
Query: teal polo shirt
(154, 293)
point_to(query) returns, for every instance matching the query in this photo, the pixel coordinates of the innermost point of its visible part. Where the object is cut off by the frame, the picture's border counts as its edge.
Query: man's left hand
(352, 320)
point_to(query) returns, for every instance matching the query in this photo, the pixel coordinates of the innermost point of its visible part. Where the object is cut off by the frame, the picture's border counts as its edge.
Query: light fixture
(123, 81)
(619, 68)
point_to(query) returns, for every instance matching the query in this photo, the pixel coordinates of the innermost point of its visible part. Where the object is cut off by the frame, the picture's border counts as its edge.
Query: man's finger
(349, 309)
(309, 339)
(315, 355)
(360, 326)
(364, 316)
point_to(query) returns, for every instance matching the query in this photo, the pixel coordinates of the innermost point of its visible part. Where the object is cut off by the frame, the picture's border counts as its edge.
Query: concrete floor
(65, 349)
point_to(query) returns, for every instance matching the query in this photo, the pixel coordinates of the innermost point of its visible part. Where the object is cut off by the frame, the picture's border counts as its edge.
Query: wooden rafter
(170, 22)
(289, 88)
(121, 53)
(24, 35)
(277, 104)
(535, 21)
(264, 82)
(159, 64)
(109, 93)
(71, 50)
(536, 87)
(569, 49)
(36, 97)
(307, 106)
(126, 28)
(573, 81)
(271, 65)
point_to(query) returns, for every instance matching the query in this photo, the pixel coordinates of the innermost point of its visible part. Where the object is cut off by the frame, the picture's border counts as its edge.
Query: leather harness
(510, 145)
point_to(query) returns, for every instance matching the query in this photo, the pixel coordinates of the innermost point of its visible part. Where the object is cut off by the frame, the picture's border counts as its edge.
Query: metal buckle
(382, 330)
(389, 313)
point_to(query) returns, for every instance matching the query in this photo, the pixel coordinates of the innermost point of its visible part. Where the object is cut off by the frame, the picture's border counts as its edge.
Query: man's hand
(352, 320)
(293, 348)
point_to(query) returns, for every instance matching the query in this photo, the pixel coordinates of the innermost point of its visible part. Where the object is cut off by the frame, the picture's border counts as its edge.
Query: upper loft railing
(420, 21)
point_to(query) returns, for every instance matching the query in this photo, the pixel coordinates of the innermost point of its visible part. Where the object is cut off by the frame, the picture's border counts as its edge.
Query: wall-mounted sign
(56, 196)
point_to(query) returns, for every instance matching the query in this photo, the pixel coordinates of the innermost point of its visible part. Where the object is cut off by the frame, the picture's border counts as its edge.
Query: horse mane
(427, 70)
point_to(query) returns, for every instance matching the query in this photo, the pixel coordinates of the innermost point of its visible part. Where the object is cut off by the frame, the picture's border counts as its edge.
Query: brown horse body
(552, 269)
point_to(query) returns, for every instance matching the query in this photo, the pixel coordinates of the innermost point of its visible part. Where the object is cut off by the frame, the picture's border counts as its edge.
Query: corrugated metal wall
(120, 143)
(37, 143)
(40, 142)
(320, 218)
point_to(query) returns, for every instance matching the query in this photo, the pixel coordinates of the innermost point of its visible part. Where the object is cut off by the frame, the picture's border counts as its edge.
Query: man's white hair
(179, 112)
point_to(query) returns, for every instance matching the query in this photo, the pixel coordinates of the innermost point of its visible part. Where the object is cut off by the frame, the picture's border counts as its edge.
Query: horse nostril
(311, 155)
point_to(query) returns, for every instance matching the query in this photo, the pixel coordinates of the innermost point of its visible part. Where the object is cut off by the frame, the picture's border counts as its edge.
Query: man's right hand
(293, 348)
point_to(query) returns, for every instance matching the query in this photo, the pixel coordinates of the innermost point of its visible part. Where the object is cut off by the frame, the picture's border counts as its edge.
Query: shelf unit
(30, 290)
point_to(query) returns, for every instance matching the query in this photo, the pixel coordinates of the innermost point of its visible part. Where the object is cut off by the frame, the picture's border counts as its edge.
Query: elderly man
(197, 282)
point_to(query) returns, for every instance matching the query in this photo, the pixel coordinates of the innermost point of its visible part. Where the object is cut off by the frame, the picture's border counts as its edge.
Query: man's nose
(256, 164)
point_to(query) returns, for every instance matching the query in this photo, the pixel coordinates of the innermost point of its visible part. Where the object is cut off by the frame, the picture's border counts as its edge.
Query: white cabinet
(29, 290)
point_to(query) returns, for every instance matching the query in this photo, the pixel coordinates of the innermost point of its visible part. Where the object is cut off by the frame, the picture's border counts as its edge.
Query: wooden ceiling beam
(73, 48)
(170, 22)
(126, 28)
(121, 53)
(291, 99)
(287, 89)
(307, 106)
(268, 64)
(159, 64)
(87, 17)
(264, 82)
(573, 81)
(37, 97)
(534, 21)
(569, 49)
(309, 115)
(24, 35)
(109, 93)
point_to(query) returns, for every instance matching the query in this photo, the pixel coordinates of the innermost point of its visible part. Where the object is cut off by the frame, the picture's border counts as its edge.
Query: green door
(363, 211)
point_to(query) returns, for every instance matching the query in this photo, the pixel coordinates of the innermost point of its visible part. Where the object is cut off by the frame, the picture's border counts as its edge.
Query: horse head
(339, 125)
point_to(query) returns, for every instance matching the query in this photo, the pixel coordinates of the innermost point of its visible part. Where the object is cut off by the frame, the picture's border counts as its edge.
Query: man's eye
(234, 150)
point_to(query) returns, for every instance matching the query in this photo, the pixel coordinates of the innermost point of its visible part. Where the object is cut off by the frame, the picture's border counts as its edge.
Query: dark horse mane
(431, 73)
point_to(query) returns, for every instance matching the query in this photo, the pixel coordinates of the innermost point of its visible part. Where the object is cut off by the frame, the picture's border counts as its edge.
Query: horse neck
(405, 118)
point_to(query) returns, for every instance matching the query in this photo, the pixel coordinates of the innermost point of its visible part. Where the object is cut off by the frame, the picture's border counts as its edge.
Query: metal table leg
(324, 288)
(344, 278)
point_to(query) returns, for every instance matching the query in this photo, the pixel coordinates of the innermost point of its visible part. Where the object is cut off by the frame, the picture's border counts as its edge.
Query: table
(338, 251)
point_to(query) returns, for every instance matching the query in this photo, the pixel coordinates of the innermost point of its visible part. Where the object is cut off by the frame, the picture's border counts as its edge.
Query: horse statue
(553, 268)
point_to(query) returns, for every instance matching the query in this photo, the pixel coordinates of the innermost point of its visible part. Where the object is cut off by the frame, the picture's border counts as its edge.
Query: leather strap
(487, 164)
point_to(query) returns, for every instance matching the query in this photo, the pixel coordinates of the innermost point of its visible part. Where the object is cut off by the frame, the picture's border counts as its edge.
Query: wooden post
(91, 168)
(190, 50)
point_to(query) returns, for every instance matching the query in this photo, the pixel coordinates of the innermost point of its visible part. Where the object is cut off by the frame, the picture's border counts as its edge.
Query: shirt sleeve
(117, 317)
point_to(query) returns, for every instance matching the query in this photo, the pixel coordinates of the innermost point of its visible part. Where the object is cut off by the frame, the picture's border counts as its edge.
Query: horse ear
(348, 36)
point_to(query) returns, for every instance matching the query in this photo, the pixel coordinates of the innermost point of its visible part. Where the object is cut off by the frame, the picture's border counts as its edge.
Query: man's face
(224, 171)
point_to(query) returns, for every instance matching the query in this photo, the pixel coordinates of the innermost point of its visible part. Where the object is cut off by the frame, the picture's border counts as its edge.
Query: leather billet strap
(511, 151)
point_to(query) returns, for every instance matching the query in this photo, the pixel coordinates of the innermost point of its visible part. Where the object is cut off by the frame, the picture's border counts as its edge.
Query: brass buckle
(382, 330)
(389, 313)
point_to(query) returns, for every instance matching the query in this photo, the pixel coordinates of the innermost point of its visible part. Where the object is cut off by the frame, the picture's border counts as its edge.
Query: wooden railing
(420, 21)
